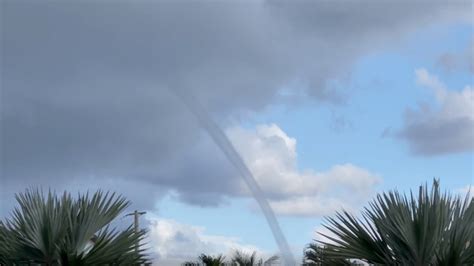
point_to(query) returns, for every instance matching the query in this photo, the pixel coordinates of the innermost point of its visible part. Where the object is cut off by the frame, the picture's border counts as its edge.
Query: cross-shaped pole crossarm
(136, 214)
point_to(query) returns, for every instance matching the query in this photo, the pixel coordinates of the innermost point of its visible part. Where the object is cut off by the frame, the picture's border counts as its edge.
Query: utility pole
(136, 214)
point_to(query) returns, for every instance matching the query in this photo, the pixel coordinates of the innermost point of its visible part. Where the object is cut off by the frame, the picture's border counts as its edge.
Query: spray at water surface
(221, 140)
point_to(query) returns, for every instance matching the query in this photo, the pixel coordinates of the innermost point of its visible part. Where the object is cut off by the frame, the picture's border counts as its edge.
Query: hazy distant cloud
(340, 123)
(387, 132)
(86, 85)
(457, 61)
(173, 243)
(447, 126)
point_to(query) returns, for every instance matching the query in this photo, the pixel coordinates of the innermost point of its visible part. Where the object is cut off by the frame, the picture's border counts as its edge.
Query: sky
(327, 102)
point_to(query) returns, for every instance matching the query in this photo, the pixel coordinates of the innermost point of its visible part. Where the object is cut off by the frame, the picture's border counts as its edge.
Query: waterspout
(221, 140)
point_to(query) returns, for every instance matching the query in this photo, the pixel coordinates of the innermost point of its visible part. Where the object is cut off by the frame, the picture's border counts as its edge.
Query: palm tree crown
(67, 231)
(432, 228)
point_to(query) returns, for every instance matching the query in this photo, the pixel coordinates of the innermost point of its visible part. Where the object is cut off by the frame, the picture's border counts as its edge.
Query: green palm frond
(243, 259)
(36, 227)
(62, 230)
(457, 246)
(86, 217)
(190, 263)
(209, 260)
(239, 258)
(317, 255)
(273, 260)
(432, 228)
(114, 246)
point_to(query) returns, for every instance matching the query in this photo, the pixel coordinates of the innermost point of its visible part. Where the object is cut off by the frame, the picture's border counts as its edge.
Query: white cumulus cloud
(173, 243)
(272, 157)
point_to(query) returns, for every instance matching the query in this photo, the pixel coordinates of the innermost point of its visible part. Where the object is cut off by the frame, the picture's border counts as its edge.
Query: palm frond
(317, 255)
(273, 260)
(425, 229)
(243, 259)
(209, 260)
(62, 230)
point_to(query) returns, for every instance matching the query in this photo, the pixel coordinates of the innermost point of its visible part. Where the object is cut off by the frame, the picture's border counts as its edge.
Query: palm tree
(273, 260)
(432, 228)
(208, 260)
(243, 259)
(239, 258)
(62, 230)
(317, 255)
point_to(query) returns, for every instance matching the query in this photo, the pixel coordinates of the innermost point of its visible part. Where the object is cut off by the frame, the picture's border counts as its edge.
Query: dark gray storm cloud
(446, 125)
(434, 137)
(85, 85)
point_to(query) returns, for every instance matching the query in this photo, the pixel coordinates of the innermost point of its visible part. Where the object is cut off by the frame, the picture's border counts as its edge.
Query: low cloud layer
(444, 127)
(86, 85)
(173, 243)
